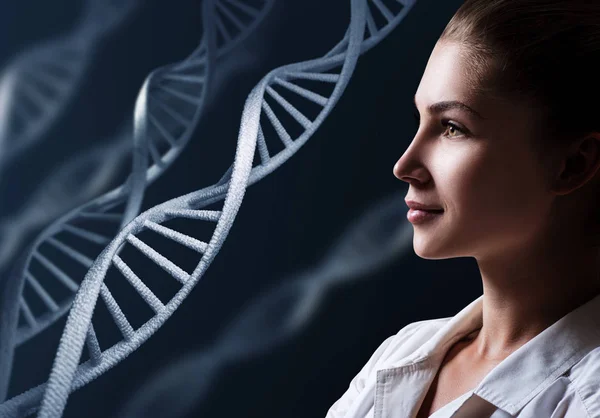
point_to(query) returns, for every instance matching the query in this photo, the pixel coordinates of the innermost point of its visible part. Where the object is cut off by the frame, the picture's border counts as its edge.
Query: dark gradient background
(285, 222)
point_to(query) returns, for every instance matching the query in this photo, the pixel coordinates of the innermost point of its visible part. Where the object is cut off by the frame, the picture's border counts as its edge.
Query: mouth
(419, 215)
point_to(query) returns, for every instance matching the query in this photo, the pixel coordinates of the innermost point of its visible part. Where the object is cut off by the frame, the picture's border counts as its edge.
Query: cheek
(493, 189)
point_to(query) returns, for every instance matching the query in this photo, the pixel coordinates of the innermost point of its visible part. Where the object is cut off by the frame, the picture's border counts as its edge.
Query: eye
(451, 126)
(445, 123)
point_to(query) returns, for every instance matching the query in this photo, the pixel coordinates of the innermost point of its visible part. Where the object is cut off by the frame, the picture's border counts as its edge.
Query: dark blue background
(285, 222)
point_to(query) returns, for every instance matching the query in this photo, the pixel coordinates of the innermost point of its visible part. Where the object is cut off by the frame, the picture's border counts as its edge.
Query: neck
(528, 290)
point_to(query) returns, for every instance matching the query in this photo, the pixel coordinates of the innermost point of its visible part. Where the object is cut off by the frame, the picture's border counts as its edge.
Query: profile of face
(480, 166)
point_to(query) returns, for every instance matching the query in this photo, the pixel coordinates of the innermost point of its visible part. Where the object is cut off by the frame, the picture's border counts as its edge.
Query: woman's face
(482, 170)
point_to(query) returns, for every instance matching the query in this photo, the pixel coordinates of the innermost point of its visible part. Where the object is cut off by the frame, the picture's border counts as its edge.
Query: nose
(410, 169)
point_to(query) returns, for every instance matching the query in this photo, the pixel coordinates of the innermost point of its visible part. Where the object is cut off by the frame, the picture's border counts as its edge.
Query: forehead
(446, 77)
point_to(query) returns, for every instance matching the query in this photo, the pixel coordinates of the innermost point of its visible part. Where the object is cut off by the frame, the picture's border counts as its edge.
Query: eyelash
(445, 123)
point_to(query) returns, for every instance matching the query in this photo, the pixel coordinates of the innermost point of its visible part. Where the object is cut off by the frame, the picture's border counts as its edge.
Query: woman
(507, 152)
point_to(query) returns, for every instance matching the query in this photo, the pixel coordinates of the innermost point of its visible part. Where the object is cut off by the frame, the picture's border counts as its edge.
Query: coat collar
(535, 365)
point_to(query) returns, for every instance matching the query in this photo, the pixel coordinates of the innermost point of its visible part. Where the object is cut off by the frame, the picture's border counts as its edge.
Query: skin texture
(524, 218)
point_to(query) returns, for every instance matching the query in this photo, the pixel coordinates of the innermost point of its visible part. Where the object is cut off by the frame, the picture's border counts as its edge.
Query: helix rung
(223, 30)
(296, 114)
(74, 254)
(139, 285)
(301, 91)
(88, 235)
(169, 111)
(183, 239)
(58, 273)
(186, 78)
(281, 132)
(371, 23)
(389, 16)
(112, 217)
(117, 313)
(230, 15)
(159, 259)
(180, 95)
(42, 293)
(28, 314)
(155, 154)
(110, 204)
(165, 134)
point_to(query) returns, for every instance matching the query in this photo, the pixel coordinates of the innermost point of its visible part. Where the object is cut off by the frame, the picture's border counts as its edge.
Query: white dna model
(171, 100)
(38, 85)
(259, 116)
(167, 110)
(377, 238)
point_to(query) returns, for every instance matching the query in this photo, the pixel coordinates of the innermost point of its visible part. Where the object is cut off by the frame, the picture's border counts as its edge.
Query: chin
(429, 255)
(430, 249)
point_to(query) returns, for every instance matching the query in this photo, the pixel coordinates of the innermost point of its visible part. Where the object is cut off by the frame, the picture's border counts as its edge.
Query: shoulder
(585, 379)
(407, 339)
(358, 389)
(424, 328)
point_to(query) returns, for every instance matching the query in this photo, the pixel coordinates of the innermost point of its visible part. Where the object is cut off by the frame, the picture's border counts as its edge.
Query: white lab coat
(554, 375)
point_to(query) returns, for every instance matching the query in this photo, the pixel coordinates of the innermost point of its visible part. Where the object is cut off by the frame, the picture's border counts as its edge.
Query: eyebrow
(447, 105)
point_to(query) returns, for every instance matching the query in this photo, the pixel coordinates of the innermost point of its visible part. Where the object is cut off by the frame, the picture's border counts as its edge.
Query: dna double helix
(277, 315)
(83, 177)
(259, 122)
(172, 97)
(38, 85)
(167, 110)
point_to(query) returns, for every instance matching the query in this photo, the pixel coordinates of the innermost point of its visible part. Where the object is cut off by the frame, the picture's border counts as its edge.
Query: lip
(423, 207)
(417, 216)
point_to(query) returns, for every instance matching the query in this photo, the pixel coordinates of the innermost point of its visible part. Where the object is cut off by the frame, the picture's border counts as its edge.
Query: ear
(579, 165)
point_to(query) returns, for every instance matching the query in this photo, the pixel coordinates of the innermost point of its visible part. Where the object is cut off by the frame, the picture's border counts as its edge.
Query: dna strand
(37, 86)
(165, 111)
(67, 374)
(172, 97)
(277, 315)
(85, 176)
